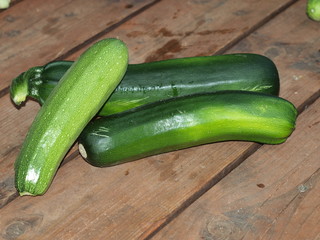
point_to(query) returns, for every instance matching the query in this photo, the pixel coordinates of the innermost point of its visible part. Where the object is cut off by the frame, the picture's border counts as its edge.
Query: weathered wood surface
(34, 32)
(274, 194)
(136, 200)
(13, 119)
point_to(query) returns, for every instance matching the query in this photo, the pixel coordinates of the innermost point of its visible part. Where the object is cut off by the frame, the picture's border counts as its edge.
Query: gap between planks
(5, 91)
(206, 187)
(94, 38)
(256, 26)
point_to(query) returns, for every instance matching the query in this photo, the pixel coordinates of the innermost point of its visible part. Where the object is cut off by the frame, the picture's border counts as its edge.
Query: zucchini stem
(20, 87)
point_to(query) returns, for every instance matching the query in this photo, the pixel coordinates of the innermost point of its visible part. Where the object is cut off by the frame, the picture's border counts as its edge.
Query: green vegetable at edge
(149, 82)
(82, 91)
(313, 9)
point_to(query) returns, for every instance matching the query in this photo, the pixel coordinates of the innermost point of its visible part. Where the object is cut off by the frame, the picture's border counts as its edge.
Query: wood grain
(274, 194)
(35, 32)
(124, 202)
(191, 28)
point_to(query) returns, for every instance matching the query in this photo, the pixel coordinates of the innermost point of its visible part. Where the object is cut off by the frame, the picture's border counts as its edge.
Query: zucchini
(4, 4)
(77, 98)
(313, 9)
(186, 121)
(149, 82)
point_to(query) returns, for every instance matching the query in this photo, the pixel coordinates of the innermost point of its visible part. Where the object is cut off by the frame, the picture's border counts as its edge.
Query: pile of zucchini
(120, 112)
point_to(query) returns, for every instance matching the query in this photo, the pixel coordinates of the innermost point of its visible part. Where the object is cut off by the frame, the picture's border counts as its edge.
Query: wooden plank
(142, 47)
(274, 194)
(205, 26)
(131, 200)
(122, 202)
(35, 32)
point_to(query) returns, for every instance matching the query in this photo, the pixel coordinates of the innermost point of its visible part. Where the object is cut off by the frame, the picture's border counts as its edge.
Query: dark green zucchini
(187, 121)
(148, 82)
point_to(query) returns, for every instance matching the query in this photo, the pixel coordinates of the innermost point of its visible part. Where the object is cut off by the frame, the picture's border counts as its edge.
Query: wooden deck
(221, 191)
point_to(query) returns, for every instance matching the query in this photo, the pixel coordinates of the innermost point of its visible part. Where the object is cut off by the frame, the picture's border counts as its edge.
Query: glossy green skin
(77, 98)
(149, 82)
(313, 9)
(184, 122)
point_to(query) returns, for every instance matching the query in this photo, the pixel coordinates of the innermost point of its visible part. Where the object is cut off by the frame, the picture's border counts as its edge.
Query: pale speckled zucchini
(83, 89)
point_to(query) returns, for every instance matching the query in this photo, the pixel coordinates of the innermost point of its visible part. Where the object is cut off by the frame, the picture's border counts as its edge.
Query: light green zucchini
(313, 9)
(83, 89)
